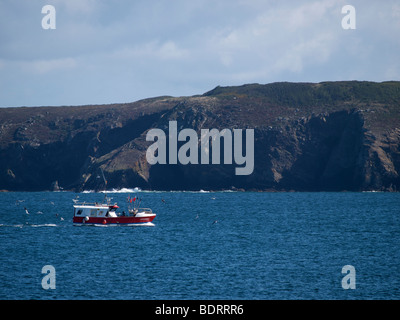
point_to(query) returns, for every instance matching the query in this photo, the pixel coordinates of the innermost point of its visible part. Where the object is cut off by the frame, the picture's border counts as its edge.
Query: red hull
(113, 220)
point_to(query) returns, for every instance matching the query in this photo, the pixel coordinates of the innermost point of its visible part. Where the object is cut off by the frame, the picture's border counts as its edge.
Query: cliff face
(307, 137)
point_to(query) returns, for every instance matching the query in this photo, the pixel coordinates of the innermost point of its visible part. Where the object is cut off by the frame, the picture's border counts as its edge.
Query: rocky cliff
(307, 136)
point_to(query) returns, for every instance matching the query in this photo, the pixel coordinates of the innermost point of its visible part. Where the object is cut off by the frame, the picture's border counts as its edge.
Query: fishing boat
(106, 213)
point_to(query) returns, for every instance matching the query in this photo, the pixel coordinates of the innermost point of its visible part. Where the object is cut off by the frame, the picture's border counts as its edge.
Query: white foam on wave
(12, 225)
(44, 225)
(124, 190)
(29, 225)
(136, 189)
(87, 191)
(146, 224)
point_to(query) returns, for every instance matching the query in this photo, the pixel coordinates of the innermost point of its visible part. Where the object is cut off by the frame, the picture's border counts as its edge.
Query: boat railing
(95, 204)
(147, 210)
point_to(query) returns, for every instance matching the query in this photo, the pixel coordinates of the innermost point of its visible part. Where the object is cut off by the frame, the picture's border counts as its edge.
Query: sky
(120, 51)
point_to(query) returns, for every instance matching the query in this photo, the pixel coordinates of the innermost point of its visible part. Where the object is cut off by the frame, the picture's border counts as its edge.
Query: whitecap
(124, 190)
(44, 225)
(14, 225)
(146, 224)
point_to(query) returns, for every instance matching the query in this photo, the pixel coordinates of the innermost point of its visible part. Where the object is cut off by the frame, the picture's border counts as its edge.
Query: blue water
(205, 245)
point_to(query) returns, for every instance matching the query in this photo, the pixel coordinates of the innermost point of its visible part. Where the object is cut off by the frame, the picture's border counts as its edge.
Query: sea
(204, 246)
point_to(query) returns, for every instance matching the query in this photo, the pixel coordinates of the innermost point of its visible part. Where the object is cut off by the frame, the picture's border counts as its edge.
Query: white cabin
(94, 211)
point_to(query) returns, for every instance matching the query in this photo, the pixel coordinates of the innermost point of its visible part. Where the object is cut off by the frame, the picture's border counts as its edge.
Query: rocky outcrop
(308, 137)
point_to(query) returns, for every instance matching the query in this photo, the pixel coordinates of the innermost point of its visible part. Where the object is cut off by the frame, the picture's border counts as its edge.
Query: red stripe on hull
(113, 220)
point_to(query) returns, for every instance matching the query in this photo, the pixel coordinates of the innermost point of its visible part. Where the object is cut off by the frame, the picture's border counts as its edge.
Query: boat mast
(105, 186)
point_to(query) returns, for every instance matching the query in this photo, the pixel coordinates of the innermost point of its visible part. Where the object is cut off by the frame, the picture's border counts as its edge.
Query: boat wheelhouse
(104, 214)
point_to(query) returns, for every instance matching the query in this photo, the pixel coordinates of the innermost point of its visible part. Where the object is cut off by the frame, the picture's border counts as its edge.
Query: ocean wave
(29, 225)
(136, 189)
(123, 190)
(112, 225)
(12, 225)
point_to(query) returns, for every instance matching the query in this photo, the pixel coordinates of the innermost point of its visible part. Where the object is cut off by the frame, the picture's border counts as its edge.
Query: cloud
(396, 12)
(169, 50)
(152, 50)
(128, 50)
(47, 66)
(78, 8)
(38, 67)
(278, 40)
